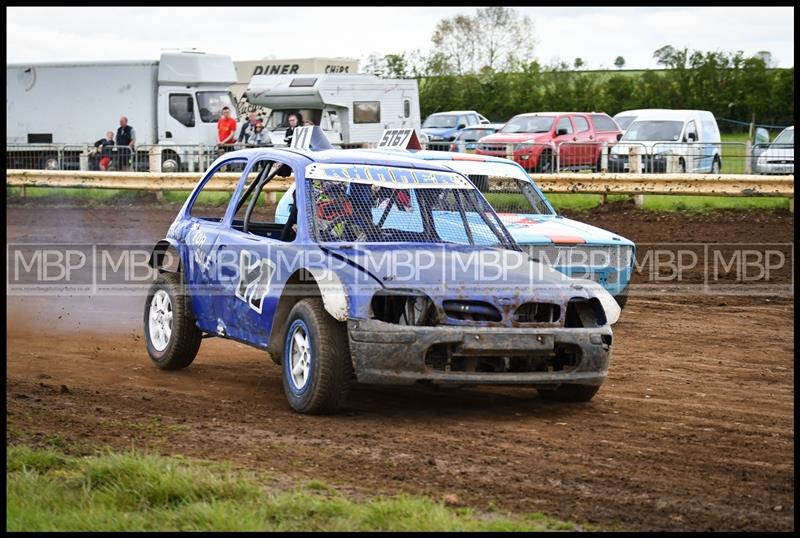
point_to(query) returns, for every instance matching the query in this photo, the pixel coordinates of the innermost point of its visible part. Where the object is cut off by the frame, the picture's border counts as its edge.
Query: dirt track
(692, 430)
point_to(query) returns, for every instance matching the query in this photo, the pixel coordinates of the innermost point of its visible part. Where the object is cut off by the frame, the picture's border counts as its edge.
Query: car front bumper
(385, 353)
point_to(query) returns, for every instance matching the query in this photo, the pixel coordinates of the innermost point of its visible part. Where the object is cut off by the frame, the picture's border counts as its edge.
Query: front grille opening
(415, 310)
(537, 313)
(471, 311)
(444, 358)
(582, 313)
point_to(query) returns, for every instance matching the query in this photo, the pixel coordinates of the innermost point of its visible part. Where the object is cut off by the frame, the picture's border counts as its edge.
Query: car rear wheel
(171, 335)
(570, 393)
(317, 371)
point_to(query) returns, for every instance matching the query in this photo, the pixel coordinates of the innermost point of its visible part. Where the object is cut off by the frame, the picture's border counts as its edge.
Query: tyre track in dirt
(692, 430)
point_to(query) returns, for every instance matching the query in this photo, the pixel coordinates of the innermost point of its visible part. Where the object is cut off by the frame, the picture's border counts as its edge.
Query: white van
(691, 136)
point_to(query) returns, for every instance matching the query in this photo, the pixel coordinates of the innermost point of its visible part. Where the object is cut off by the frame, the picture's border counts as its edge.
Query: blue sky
(598, 35)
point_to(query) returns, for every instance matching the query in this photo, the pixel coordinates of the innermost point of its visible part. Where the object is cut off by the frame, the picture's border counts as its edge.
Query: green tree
(619, 62)
(495, 38)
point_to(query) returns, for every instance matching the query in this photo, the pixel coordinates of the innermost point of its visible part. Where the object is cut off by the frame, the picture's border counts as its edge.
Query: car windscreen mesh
(344, 212)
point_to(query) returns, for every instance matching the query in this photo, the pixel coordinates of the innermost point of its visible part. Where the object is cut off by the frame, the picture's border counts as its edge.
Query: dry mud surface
(693, 428)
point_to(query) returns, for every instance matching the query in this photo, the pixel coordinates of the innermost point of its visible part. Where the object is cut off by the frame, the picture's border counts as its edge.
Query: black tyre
(681, 166)
(716, 168)
(622, 300)
(317, 371)
(170, 332)
(570, 393)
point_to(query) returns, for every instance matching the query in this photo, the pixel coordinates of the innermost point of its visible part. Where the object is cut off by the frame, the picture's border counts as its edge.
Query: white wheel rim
(160, 320)
(300, 353)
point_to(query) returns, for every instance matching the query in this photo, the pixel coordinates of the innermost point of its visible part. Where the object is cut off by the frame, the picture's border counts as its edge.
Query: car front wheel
(316, 365)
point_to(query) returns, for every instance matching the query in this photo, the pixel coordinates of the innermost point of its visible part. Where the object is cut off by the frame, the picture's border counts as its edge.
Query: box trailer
(353, 110)
(54, 110)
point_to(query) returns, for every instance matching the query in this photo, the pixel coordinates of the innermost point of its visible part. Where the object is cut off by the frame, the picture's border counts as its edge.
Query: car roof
(556, 113)
(632, 112)
(339, 156)
(454, 112)
(668, 114)
(485, 126)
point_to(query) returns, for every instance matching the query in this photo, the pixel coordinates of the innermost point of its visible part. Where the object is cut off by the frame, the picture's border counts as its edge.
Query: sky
(596, 34)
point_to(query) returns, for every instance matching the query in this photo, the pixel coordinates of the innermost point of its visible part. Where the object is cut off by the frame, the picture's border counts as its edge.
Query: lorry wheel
(170, 332)
(170, 162)
(570, 393)
(316, 360)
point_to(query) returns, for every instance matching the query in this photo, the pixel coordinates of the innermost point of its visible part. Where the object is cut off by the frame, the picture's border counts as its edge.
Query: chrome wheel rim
(160, 323)
(300, 353)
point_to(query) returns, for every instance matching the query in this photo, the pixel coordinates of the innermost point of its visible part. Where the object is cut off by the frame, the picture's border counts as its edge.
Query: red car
(578, 137)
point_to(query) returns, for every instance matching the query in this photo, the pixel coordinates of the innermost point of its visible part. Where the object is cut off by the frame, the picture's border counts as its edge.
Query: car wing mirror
(692, 137)
(561, 132)
(619, 137)
(461, 126)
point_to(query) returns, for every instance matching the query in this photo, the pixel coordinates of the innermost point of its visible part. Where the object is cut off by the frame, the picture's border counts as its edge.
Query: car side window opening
(564, 123)
(604, 123)
(581, 124)
(511, 195)
(255, 212)
(691, 129)
(211, 201)
(181, 107)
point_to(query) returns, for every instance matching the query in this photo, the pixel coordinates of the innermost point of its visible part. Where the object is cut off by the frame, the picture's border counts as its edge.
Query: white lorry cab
(353, 110)
(669, 141)
(55, 109)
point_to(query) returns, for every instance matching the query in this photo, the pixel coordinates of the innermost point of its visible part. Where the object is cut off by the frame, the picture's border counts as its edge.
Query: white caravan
(353, 110)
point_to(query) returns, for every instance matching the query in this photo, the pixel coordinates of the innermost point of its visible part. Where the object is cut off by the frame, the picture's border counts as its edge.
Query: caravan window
(367, 112)
(279, 118)
(407, 108)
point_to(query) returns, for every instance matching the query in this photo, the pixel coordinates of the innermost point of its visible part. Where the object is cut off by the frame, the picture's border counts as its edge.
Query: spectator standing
(248, 128)
(294, 121)
(99, 158)
(126, 137)
(258, 137)
(226, 130)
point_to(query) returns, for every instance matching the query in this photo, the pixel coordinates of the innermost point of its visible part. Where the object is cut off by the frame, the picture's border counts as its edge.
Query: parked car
(576, 138)
(778, 156)
(445, 126)
(576, 249)
(689, 137)
(378, 275)
(467, 140)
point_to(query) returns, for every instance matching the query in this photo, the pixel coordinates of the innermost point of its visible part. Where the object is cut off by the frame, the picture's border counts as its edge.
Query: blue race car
(388, 269)
(576, 249)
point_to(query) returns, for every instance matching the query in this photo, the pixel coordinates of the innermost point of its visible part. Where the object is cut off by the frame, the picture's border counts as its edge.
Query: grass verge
(49, 490)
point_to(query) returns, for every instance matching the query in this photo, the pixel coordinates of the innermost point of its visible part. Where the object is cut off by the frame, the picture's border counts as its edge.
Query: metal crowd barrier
(617, 157)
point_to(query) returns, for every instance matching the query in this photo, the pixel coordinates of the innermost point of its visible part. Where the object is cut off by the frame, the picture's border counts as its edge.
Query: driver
(333, 209)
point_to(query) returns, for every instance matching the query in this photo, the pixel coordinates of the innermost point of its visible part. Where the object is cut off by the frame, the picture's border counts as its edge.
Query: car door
(199, 233)
(695, 155)
(566, 151)
(583, 142)
(254, 263)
